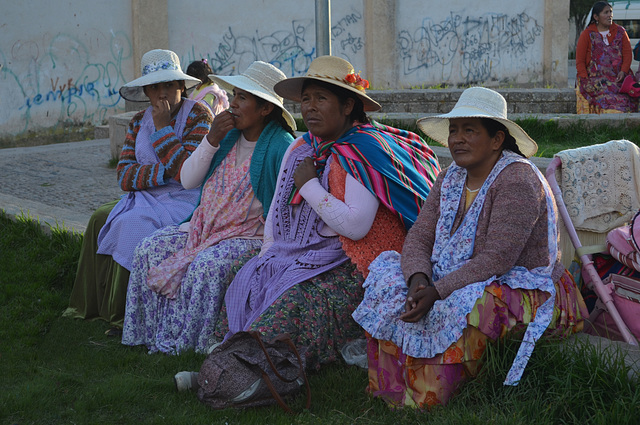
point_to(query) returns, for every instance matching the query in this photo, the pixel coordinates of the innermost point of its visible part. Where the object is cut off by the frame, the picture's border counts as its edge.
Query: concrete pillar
(380, 43)
(150, 21)
(556, 43)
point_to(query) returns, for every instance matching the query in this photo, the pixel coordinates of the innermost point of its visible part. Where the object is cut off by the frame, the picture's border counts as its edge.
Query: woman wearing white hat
(348, 189)
(180, 273)
(158, 141)
(481, 259)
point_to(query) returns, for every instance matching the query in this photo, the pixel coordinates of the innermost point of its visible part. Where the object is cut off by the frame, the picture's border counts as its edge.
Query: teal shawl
(265, 161)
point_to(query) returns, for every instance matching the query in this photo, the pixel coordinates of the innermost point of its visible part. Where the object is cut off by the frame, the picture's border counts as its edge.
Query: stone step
(101, 132)
(438, 101)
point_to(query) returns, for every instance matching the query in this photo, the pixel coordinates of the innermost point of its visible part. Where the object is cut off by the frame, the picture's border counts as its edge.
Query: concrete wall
(64, 61)
(497, 43)
(285, 35)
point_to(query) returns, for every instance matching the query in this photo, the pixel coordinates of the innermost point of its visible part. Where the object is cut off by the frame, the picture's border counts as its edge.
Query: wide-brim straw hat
(157, 66)
(258, 80)
(332, 70)
(477, 102)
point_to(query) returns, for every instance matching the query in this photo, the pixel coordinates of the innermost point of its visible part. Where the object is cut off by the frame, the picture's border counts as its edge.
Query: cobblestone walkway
(60, 183)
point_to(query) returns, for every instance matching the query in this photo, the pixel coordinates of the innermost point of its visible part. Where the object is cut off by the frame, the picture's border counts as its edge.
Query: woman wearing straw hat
(180, 273)
(158, 141)
(481, 259)
(347, 190)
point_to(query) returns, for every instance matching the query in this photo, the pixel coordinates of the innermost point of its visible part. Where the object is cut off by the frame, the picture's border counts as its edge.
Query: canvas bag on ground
(245, 371)
(625, 292)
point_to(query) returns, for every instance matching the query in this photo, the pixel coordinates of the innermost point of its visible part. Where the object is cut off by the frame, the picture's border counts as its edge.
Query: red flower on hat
(356, 81)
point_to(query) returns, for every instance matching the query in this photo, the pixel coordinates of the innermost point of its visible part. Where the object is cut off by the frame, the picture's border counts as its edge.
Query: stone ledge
(438, 101)
(101, 132)
(118, 125)
(564, 120)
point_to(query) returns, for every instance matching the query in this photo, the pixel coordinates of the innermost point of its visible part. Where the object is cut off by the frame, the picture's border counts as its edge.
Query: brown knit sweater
(171, 150)
(512, 231)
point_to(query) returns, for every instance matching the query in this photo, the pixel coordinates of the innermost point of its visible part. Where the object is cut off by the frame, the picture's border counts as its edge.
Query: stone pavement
(58, 184)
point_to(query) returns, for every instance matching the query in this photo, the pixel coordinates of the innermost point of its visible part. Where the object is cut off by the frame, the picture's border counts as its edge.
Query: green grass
(59, 371)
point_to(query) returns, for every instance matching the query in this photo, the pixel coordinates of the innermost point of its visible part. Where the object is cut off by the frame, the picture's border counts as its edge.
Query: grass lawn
(62, 371)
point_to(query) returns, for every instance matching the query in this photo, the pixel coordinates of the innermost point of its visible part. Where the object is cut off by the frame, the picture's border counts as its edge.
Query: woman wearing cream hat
(181, 272)
(158, 141)
(347, 190)
(481, 259)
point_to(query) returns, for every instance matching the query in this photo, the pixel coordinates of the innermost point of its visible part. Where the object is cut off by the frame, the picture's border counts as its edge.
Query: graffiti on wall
(61, 80)
(468, 48)
(344, 35)
(290, 50)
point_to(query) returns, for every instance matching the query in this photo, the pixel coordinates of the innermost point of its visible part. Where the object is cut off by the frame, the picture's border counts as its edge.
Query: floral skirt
(584, 107)
(315, 313)
(403, 380)
(186, 322)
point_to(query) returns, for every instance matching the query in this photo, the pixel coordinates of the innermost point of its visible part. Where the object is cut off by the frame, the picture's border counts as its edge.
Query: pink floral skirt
(403, 380)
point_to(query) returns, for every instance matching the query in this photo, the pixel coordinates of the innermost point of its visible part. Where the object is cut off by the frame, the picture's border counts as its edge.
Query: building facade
(65, 61)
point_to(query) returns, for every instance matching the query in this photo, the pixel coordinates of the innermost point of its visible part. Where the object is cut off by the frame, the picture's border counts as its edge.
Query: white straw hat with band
(332, 70)
(478, 102)
(157, 66)
(258, 80)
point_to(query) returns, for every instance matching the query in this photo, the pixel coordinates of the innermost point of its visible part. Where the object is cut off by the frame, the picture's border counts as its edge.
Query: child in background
(207, 91)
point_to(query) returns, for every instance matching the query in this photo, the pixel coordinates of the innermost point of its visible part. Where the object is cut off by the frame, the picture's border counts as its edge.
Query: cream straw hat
(158, 66)
(332, 70)
(258, 80)
(478, 102)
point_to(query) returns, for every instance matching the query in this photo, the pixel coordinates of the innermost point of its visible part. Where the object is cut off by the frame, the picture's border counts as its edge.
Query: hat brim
(134, 92)
(229, 82)
(291, 89)
(437, 128)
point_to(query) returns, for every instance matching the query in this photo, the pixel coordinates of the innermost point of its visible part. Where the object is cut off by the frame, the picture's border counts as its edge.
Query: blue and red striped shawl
(395, 165)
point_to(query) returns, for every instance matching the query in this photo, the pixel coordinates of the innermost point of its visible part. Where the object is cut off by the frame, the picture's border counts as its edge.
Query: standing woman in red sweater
(603, 60)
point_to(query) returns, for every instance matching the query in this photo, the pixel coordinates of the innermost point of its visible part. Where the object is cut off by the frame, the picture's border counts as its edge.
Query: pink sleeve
(352, 218)
(196, 167)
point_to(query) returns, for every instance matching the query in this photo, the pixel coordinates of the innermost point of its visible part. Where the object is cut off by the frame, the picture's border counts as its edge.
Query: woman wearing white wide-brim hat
(158, 141)
(481, 259)
(181, 272)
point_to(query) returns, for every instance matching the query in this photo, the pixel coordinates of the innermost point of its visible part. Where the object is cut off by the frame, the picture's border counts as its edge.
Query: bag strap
(286, 339)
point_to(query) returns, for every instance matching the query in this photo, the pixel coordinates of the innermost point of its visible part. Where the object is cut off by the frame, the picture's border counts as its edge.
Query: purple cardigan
(512, 231)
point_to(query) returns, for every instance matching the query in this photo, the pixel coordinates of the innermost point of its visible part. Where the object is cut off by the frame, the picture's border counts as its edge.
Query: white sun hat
(258, 80)
(478, 102)
(158, 66)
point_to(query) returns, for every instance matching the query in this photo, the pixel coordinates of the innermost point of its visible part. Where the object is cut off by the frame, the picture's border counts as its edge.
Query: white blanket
(601, 184)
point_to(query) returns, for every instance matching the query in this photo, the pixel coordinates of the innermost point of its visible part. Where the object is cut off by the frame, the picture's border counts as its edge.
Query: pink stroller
(589, 176)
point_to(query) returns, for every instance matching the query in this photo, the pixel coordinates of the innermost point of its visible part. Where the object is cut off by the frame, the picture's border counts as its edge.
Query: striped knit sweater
(171, 151)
